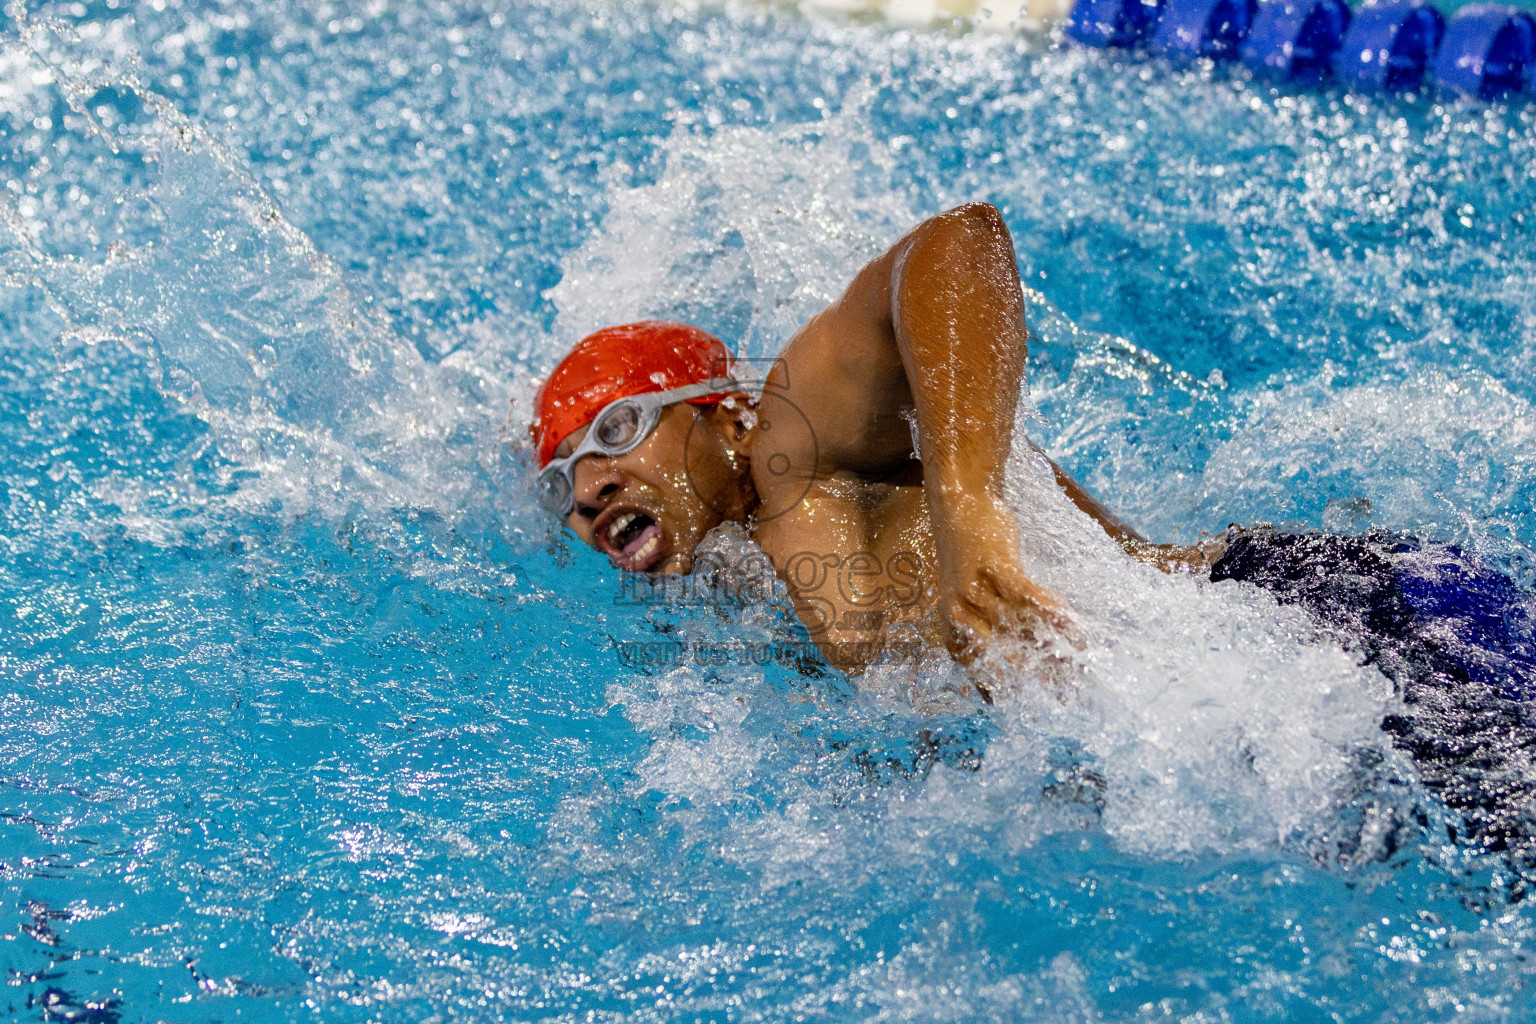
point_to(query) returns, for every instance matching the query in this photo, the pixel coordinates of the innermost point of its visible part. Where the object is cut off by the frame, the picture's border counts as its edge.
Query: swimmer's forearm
(958, 317)
(957, 312)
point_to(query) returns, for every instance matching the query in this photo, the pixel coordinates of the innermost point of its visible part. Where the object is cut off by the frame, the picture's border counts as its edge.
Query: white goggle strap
(699, 390)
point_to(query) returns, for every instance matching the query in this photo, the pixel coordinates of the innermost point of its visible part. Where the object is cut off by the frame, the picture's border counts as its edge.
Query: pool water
(310, 714)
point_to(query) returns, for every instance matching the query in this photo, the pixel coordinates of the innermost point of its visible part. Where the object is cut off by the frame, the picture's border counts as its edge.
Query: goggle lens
(555, 491)
(619, 427)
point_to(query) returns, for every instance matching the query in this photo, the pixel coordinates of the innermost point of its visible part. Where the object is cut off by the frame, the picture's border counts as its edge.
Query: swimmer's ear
(735, 417)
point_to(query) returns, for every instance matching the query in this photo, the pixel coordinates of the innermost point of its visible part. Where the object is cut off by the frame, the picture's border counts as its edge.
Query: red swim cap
(617, 362)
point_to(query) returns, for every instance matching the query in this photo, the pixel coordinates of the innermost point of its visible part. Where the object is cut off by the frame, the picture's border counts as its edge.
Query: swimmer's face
(648, 509)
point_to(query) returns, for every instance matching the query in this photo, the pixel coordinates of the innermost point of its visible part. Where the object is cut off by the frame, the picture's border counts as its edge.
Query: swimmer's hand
(983, 588)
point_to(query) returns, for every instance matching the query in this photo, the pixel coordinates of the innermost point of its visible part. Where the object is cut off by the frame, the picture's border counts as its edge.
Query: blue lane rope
(1389, 46)
(1485, 50)
(1203, 28)
(1296, 38)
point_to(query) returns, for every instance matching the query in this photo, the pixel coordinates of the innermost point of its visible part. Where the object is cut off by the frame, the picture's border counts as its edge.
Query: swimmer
(867, 464)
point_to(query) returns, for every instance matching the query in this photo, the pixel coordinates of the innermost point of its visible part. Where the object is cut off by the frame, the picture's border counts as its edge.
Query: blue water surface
(310, 714)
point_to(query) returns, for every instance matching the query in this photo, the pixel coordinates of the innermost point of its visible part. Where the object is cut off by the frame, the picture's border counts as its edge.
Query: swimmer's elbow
(966, 235)
(948, 256)
(979, 223)
(978, 214)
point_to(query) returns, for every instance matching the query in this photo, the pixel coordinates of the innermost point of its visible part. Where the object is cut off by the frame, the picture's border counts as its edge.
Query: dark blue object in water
(1482, 618)
(1428, 614)
(1203, 28)
(1112, 22)
(1296, 38)
(1389, 45)
(1487, 51)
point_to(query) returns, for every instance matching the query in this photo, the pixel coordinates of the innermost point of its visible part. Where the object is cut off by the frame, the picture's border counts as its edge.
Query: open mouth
(633, 539)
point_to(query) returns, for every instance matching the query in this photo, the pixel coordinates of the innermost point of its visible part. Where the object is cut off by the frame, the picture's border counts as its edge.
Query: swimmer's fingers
(969, 629)
(1026, 607)
(1002, 601)
(1030, 612)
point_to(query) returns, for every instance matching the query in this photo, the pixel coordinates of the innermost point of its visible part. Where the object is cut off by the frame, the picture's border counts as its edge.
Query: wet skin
(818, 465)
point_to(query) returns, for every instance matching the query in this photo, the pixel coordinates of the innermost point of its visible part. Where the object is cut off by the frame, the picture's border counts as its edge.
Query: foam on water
(311, 713)
(747, 232)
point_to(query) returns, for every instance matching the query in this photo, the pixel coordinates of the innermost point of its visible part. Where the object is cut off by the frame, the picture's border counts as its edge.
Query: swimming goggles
(620, 428)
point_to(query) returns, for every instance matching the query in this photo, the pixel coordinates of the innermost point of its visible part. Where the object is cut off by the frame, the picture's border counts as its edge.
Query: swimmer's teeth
(618, 526)
(646, 549)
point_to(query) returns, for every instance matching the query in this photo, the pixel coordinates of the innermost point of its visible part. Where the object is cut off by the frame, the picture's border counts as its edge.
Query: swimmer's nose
(595, 490)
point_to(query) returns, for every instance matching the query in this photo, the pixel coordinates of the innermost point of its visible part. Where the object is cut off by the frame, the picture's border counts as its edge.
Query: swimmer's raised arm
(936, 325)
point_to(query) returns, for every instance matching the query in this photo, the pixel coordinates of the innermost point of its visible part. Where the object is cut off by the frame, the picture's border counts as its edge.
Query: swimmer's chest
(857, 558)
